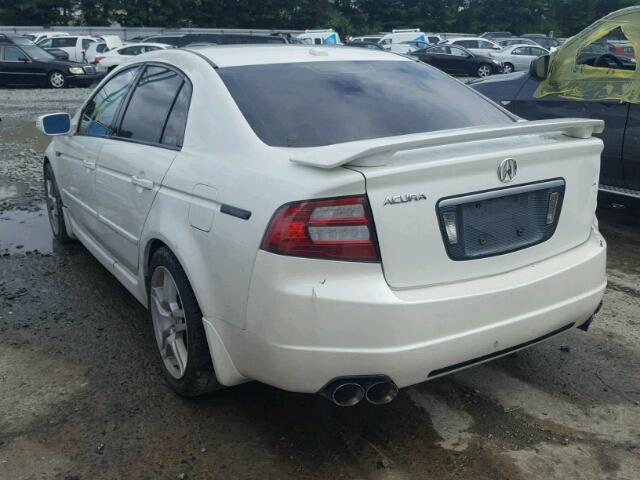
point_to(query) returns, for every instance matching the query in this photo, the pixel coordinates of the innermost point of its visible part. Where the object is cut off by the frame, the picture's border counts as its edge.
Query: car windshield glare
(313, 104)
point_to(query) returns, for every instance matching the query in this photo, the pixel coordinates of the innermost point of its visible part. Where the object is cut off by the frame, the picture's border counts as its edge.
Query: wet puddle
(23, 232)
(10, 190)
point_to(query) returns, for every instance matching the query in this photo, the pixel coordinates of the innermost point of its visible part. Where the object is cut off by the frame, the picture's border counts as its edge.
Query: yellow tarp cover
(568, 79)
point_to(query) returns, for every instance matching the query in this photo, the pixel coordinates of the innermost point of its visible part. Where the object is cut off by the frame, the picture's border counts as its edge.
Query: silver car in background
(518, 57)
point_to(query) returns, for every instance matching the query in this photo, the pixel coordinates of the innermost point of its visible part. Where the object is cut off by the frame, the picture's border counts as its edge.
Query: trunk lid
(500, 226)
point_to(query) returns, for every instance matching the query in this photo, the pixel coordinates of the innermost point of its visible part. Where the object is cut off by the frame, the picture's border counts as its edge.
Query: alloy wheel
(484, 71)
(57, 80)
(51, 199)
(508, 68)
(169, 322)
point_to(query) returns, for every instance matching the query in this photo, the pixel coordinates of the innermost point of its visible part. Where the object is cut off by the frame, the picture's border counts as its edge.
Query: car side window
(174, 130)
(61, 42)
(458, 52)
(467, 43)
(13, 54)
(485, 44)
(86, 42)
(146, 114)
(537, 51)
(99, 116)
(518, 51)
(46, 43)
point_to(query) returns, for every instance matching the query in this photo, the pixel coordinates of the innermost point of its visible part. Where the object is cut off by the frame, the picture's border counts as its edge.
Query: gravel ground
(82, 394)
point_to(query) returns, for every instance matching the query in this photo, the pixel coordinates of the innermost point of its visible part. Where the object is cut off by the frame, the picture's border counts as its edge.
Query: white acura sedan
(330, 220)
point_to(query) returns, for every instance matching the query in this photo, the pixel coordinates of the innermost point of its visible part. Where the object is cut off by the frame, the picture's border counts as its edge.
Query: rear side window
(62, 42)
(312, 104)
(101, 48)
(99, 116)
(174, 130)
(86, 43)
(150, 105)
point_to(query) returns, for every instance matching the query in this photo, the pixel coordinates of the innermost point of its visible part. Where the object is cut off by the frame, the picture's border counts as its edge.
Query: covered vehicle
(584, 78)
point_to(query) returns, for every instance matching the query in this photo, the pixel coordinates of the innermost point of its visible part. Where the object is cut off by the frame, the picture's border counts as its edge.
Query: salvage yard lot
(82, 395)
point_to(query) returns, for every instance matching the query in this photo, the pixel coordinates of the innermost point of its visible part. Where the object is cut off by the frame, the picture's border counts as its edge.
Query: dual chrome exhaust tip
(349, 391)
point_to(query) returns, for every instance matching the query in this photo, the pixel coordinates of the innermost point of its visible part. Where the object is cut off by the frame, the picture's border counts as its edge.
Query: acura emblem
(507, 170)
(404, 198)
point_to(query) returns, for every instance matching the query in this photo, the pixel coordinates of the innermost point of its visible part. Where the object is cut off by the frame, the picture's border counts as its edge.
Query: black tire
(508, 68)
(199, 377)
(56, 79)
(54, 206)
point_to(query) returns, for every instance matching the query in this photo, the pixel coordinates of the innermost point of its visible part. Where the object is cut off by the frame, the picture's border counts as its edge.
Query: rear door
(132, 165)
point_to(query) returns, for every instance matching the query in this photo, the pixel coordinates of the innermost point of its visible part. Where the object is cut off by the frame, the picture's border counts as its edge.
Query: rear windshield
(322, 103)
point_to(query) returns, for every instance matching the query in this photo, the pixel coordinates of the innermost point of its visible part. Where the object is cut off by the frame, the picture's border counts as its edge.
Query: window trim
(125, 104)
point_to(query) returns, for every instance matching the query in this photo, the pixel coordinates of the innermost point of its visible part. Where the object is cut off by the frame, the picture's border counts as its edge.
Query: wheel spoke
(169, 321)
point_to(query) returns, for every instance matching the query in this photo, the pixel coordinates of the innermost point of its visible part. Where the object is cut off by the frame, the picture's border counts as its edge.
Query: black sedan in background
(22, 63)
(456, 60)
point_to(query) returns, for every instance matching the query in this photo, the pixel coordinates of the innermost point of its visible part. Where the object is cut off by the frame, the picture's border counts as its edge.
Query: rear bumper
(311, 321)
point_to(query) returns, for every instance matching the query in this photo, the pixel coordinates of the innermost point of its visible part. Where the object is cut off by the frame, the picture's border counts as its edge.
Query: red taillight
(336, 229)
(97, 59)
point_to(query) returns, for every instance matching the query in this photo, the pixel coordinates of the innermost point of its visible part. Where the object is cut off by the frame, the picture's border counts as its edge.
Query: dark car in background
(182, 40)
(22, 63)
(369, 45)
(456, 60)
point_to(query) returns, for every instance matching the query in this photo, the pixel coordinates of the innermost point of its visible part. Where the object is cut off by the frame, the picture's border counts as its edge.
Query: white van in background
(400, 36)
(320, 37)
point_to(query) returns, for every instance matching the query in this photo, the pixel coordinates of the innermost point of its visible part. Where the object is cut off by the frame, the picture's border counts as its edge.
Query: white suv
(289, 215)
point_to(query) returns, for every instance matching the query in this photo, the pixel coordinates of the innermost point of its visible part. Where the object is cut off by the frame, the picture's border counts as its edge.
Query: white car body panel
(297, 323)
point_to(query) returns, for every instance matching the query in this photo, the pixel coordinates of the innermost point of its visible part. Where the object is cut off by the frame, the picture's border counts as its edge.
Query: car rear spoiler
(339, 154)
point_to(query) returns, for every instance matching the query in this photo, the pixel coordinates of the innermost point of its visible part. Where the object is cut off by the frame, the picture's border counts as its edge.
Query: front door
(16, 68)
(78, 154)
(133, 164)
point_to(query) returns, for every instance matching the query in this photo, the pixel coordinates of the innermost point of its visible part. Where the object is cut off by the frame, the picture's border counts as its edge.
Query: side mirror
(23, 59)
(469, 55)
(495, 47)
(540, 67)
(54, 124)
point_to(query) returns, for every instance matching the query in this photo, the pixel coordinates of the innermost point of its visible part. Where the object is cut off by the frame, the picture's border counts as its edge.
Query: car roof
(240, 55)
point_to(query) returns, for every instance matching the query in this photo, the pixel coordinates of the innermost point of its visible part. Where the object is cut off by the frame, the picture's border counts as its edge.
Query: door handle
(89, 165)
(142, 182)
